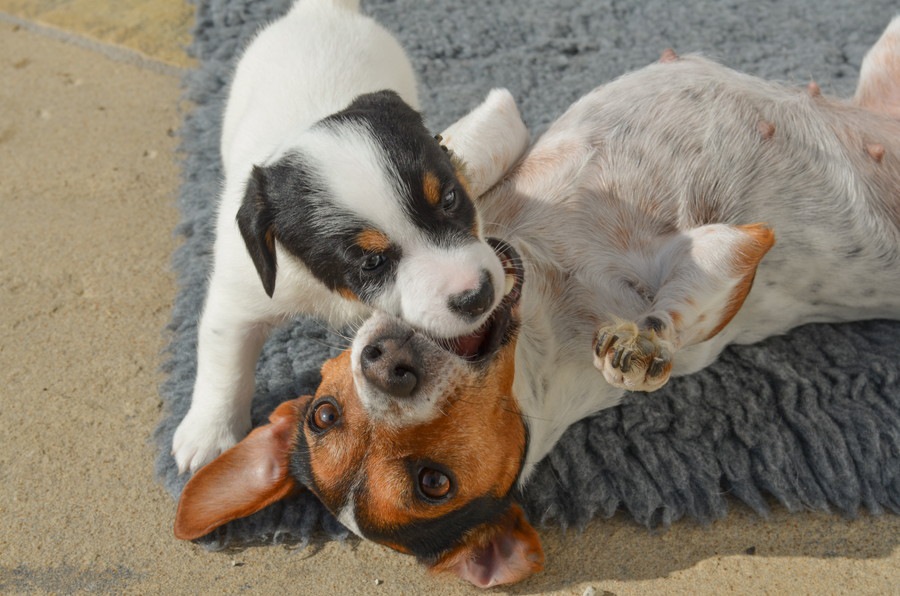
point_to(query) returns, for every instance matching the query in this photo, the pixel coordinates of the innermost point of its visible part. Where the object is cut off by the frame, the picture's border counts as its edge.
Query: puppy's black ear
(254, 219)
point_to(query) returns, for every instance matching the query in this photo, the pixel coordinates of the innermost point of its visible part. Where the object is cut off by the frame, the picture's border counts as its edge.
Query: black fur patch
(319, 232)
(428, 539)
(413, 151)
(254, 219)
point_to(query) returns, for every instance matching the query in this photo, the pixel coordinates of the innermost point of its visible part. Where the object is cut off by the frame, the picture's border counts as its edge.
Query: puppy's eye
(449, 200)
(374, 262)
(434, 484)
(325, 415)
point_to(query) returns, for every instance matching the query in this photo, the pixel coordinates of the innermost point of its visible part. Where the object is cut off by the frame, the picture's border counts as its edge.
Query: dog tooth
(510, 284)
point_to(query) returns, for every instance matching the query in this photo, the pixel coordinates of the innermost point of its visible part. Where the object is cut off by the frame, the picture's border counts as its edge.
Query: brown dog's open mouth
(495, 332)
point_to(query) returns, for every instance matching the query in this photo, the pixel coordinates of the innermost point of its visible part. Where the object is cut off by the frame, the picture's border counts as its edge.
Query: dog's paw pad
(636, 359)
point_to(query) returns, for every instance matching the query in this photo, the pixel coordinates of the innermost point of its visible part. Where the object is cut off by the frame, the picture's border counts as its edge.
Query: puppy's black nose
(391, 364)
(474, 303)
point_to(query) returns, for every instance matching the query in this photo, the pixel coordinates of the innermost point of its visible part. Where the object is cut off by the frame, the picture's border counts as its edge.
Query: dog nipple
(766, 129)
(875, 151)
(813, 89)
(668, 55)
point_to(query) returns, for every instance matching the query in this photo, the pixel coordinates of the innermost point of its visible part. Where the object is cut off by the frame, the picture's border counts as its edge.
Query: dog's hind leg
(488, 141)
(705, 275)
(879, 78)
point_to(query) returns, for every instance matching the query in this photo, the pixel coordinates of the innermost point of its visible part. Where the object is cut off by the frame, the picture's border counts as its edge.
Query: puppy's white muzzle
(450, 292)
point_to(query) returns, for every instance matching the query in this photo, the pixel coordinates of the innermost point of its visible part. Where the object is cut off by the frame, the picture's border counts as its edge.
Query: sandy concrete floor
(89, 178)
(156, 28)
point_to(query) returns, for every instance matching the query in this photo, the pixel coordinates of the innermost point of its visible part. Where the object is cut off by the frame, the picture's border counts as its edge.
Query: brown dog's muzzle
(391, 363)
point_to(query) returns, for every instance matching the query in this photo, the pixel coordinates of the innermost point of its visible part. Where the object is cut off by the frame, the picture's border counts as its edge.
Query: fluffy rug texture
(811, 419)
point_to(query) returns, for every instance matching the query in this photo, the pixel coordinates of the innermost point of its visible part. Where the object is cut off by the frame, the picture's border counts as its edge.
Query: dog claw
(656, 367)
(633, 357)
(617, 357)
(604, 343)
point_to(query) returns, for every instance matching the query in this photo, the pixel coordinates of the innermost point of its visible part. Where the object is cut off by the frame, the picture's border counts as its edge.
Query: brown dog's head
(410, 443)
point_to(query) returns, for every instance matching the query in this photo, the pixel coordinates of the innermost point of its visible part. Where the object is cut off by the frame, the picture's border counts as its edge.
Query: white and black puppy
(336, 199)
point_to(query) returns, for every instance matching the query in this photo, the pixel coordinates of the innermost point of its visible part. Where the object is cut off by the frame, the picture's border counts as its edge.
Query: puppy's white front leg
(228, 347)
(705, 276)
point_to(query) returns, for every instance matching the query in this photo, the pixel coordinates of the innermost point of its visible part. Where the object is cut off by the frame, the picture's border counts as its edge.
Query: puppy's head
(371, 205)
(410, 442)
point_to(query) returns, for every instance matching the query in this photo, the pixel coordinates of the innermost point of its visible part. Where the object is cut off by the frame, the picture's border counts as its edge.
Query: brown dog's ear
(503, 552)
(243, 480)
(254, 219)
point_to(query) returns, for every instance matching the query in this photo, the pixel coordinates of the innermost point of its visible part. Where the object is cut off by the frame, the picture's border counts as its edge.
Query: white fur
(301, 68)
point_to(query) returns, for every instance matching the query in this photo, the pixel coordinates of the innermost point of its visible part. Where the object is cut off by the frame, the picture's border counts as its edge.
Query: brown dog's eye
(325, 415)
(434, 484)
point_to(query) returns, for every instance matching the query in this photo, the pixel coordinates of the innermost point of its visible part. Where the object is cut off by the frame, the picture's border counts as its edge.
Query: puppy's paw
(633, 358)
(200, 438)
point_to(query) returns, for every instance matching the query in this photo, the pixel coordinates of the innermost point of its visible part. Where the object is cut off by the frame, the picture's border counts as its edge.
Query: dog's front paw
(633, 358)
(201, 438)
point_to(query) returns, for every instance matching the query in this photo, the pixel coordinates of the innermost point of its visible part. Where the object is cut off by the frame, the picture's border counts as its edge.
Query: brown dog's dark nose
(474, 303)
(392, 365)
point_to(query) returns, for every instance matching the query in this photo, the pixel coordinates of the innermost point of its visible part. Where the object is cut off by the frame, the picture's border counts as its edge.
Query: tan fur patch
(431, 186)
(348, 294)
(546, 162)
(373, 241)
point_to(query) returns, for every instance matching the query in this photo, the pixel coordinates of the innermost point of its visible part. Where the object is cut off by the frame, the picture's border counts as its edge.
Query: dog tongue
(467, 346)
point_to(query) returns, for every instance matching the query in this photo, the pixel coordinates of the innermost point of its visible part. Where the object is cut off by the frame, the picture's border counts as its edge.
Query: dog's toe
(657, 367)
(632, 358)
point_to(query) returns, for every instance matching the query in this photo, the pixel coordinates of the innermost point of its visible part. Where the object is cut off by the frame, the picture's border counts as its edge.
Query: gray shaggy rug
(811, 419)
